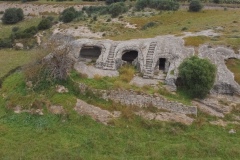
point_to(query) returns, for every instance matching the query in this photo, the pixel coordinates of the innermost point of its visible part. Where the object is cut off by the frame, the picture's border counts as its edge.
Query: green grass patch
(6, 29)
(234, 66)
(10, 59)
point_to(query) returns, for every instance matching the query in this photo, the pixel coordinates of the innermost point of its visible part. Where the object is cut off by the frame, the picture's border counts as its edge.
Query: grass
(10, 59)
(234, 66)
(26, 136)
(196, 40)
(6, 29)
(172, 23)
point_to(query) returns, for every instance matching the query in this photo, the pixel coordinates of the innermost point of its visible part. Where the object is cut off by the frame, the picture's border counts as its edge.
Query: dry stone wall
(133, 98)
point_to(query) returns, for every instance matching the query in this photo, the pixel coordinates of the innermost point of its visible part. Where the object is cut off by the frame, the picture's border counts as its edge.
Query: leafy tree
(12, 15)
(116, 9)
(157, 4)
(108, 2)
(44, 24)
(197, 76)
(195, 6)
(69, 15)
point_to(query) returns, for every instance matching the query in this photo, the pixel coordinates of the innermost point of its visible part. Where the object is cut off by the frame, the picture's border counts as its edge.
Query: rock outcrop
(156, 58)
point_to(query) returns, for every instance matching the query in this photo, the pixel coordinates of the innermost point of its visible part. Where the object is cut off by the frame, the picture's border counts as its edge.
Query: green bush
(5, 43)
(69, 15)
(116, 9)
(149, 25)
(44, 24)
(157, 4)
(27, 33)
(197, 76)
(195, 6)
(12, 15)
(108, 2)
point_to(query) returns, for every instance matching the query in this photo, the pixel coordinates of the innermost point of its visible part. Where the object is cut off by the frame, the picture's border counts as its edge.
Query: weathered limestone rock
(160, 55)
(132, 98)
(166, 116)
(56, 109)
(96, 113)
(61, 89)
(18, 46)
(224, 82)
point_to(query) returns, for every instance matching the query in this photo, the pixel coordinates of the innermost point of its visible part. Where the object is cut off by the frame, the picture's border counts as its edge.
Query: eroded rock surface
(156, 58)
(166, 116)
(96, 113)
(224, 82)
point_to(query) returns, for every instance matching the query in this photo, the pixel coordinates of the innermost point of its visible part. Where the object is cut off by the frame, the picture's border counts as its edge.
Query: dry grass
(234, 66)
(196, 40)
(126, 73)
(173, 22)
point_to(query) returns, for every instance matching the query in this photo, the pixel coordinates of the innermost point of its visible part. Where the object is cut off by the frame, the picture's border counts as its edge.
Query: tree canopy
(197, 76)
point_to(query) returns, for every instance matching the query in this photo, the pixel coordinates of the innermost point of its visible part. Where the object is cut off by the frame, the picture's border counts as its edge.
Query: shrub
(15, 29)
(116, 9)
(27, 33)
(216, 1)
(157, 4)
(12, 15)
(108, 2)
(5, 43)
(50, 69)
(44, 24)
(197, 76)
(141, 4)
(69, 15)
(149, 25)
(195, 6)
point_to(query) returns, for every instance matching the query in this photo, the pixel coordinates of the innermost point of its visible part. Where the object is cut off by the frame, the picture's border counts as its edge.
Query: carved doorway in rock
(130, 56)
(90, 52)
(162, 63)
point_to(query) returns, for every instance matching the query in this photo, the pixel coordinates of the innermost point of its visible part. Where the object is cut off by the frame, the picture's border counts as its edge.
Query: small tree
(44, 24)
(195, 6)
(52, 68)
(12, 15)
(116, 9)
(197, 76)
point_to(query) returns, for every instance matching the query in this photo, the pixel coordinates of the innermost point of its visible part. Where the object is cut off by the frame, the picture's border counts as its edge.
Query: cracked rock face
(224, 82)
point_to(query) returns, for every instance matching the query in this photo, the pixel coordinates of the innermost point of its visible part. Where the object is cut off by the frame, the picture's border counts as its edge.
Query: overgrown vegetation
(195, 6)
(12, 15)
(69, 14)
(197, 76)
(115, 9)
(130, 134)
(157, 4)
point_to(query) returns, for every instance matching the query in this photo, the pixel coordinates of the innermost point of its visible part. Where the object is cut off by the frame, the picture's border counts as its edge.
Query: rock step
(149, 61)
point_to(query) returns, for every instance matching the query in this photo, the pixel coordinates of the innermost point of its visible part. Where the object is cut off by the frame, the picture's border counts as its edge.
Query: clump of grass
(97, 77)
(234, 66)
(126, 73)
(149, 25)
(195, 40)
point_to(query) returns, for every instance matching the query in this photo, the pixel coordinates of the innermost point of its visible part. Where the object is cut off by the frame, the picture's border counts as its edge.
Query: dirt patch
(37, 9)
(81, 32)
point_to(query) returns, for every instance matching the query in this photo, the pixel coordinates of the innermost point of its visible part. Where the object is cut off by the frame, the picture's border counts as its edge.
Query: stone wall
(133, 98)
